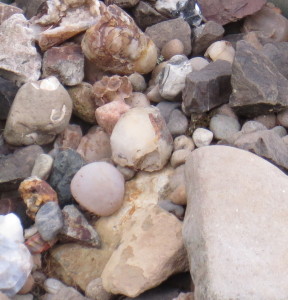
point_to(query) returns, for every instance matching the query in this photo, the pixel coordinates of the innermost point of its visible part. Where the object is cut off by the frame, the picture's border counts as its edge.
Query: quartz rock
(95, 145)
(178, 123)
(70, 138)
(42, 166)
(11, 228)
(137, 100)
(148, 150)
(64, 62)
(40, 111)
(207, 88)
(221, 50)
(96, 291)
(202, 137)
(8, 92)
(6, 11)
(22, 62)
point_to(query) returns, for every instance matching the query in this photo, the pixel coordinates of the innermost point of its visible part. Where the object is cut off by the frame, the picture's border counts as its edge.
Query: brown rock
(226, 11)
(171, 48)
(70, 138)
(6, 11)
(268, 120)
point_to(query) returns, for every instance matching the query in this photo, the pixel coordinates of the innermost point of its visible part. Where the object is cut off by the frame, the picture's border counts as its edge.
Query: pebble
(176, 190)
(282, 118)
(183, 142)
(96, 291)
(69, 138)
(42, 166)
(280, 130)
(138, 82)
(99, 188)
(198, 63)
(171, 48)
(252, 126)
(179, 157)
(137, 100)
(52, 285)
(202, 137)
(166, 108)
(127, 173)
(268, 121)
(178, 123)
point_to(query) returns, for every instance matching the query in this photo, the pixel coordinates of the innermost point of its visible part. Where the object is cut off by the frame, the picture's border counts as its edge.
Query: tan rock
(153, 234)
(137, 100)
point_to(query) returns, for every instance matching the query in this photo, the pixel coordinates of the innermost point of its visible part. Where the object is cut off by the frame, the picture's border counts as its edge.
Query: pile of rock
(120, 176)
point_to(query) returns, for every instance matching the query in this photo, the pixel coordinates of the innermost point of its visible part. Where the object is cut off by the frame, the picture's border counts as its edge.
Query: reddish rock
(70, 138)
(36, 244)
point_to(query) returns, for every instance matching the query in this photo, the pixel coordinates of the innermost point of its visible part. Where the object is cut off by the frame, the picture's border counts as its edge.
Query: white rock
(202, 137)
(53, 286)
(11, 228)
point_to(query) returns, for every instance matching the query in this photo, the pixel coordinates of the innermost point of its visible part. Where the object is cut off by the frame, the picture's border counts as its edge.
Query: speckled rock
(202, 137)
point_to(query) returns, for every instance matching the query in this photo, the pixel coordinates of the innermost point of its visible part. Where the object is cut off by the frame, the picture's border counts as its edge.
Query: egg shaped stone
(99, 188)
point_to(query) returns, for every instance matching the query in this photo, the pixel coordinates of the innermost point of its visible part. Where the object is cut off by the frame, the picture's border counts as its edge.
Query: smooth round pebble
(223, 126)
(99, 188)
(96, 291)
(282, 118)
(267, 120)
(137, 100)
(171, 48)
(138, 82)
(202, 137)
(280, 130)
(179, 157)
(226, 110)
(183, 142)
(252, 126)
(42, 166)
(177, 123)
(52, 285)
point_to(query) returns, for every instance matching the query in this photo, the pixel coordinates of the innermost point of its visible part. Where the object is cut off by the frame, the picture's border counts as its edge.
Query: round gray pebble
(223, 126)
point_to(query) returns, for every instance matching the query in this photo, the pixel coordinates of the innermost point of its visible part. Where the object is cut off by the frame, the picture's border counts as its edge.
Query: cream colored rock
(138, 100)
(141, 140)
(150, 251)
(221, 50)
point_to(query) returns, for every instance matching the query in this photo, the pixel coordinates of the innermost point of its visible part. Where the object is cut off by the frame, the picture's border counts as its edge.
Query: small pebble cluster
(142, 143)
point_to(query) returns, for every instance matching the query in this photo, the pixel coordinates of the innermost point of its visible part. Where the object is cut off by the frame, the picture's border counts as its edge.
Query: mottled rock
(148, 150)
(269, 120)
(42, 166)
(76, 228)
(179, 157)
(17, 166)
(8, 92)
(171, 48)
(251, 95)
(178, 123)
(166, 31)
(65, 166)
(6, 11)
(22, 62)
(83, 102)
(138, 82)
(96, 291)
(155, 233)
(226, 11)
(202, 137)
(207, 88)
(205, 35)
(223, 126)
(245, 205)
(137, 100)
(40, 111)
(64, 62)
(70, 138)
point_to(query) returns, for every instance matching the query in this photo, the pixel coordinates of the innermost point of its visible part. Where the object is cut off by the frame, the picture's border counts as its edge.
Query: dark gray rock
(178, 123)
(15, 167)
(66, 164)
(258, 87)
(49, 220)
(207, 88)
(8, 92)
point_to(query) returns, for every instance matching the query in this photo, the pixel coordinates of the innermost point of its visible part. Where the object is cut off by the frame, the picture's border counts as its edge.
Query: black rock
(8, 91)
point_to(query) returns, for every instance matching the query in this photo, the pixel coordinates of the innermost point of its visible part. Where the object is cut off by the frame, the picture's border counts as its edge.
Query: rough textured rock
(22, 62)
(166, 31)
(8, 92)
(226, 11)
(155, 233)
(207, 88)
(251, 94)
(16, 167)
(6, 11)
(40, 111)
(147, 150)
(235, 225)
(66, 63)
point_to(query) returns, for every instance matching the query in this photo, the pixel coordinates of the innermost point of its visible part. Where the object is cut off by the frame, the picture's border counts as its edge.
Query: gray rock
(65, 166)
(223, 126)
(43, 166)
(8, 92)
(49, 220)
(65, 293)
(235, 225)
(207, 88)
(282, 118)
(177, 123)
(15, 167)
(268, 120)
(252, 126)
(166, 108)
(280, 130)
(138, 82)
(175, 209)
(30, 7)
(202, 137)
(252, 95)
(52, 285)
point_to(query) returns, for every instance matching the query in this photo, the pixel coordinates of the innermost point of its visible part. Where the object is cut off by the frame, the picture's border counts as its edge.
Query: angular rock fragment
(8, 92)
(207, 88)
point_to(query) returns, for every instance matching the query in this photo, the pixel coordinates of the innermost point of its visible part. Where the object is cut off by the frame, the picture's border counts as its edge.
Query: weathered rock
(22, 62)
(226, 11)
(83, 102)
(64, 62)
(251, 94)
(202, 137)
(17, 166)
(8, 92)
(76, 228)
(223, 126)
(166, 31)
(207, 88)
(40, 111)
(6, 11)
(96, 291)
(70, 138)
(122, 3)
(178, 123)
(147, 150)
(234, 227)
(31, 7)
(153, 232)
(95, 145)
(205, 35)
(65, 166)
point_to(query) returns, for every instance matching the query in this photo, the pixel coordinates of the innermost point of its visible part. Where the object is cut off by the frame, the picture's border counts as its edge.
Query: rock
(249, 217)
(23, 297)
(122, 3)
(251, 95)
(109, 114)
(169, 8)
(117, 56)
(40, 111)
(171, 48)
(42, 166)
(177, 210)
(99, 188)
(221, 50)
(76, 228)
(166, 31)
(252, 126)
(52, 285)
(65, 166)
(166, 108)
(207, 88)
(185, 296)
(205, 35)
(11, 228)
(280, 130)
(179, 157)
(66, 63)
(70, 138)
(268, 120)
(96, 291)
(147, 150)
(226, 110)
(138, 82)
(127, 173)
(17, 166)
(183, 142)
(145, 15)
(37, 245)
(6, 11)
(35, 193)
(66, 293)
(3, 297)
(153, 94)
(198, 63)
(282, 118)
(202, 137)
(31, 7)
(83, 102)
(49, 221)
(156, 233)
(226, 11)
(223, 126)
(8, 92)
(28, 286)
(172, 77)
(178, 123)
(137, 100)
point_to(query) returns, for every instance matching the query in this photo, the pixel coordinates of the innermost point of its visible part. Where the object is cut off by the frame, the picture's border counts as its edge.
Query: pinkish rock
(6, 11)
(70, 138)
